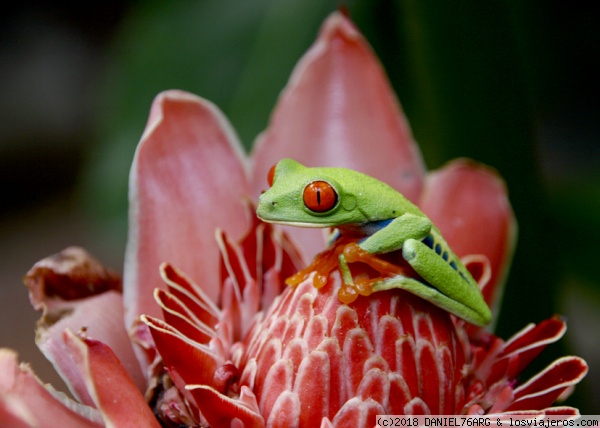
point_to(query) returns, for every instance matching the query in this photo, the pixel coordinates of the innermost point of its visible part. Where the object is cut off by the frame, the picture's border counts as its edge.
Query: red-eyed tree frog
(355, 203)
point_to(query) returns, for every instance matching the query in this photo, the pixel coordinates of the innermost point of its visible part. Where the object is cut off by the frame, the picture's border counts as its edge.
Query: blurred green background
(512, 84)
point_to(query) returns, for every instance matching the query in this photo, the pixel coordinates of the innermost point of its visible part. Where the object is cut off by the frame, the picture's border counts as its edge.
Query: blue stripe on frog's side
(370, 227)
(438, 247)
(367, 229)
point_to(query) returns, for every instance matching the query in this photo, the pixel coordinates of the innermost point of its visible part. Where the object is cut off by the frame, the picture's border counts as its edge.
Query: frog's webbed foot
(362, 285)
(322, 265)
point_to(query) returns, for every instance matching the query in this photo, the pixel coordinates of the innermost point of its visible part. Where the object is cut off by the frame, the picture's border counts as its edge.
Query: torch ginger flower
(203, 334)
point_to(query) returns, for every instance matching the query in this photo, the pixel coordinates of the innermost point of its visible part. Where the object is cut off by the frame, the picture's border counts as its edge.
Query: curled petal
(340, 110)
(188, 178)
(72, 274)
(25, 402)
(78, 293)
(468, 202)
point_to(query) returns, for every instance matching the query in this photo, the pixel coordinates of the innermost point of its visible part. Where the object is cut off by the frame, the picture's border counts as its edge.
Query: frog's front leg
(388, 238)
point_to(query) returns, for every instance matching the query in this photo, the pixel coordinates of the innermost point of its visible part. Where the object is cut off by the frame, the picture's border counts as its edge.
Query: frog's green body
(356, 203)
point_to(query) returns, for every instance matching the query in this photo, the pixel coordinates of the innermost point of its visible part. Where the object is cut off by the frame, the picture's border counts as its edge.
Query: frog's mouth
(296, 223)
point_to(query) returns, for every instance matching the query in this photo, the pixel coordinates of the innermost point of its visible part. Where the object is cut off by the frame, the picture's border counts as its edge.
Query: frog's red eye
(320, 196)
(271, 175)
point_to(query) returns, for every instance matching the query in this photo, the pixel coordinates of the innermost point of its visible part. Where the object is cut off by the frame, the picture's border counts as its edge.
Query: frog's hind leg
(443, 285)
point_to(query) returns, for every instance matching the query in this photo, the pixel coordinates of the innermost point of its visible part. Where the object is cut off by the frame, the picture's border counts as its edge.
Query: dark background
(512, 84)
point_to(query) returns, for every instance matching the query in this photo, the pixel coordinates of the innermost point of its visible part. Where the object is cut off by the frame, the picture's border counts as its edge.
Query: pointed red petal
(240, 295)
(527, 344)
(187, 179)
(468, 202)
(340, 110)
(25, 402)
(178, 316)
(101, 317)
(106, 378)
(196, 363)
(233, 264)
(544, 388)
(275, 257)
(561, 411)
(220, 410)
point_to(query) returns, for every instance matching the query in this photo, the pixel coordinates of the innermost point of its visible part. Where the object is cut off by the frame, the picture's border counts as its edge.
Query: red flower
(227, 342)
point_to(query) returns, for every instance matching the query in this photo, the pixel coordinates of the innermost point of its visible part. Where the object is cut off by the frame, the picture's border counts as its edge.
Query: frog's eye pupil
(320, 196)
(271, 175)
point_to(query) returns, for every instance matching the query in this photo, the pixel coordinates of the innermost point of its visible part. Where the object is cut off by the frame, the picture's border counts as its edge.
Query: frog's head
(309, 197)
